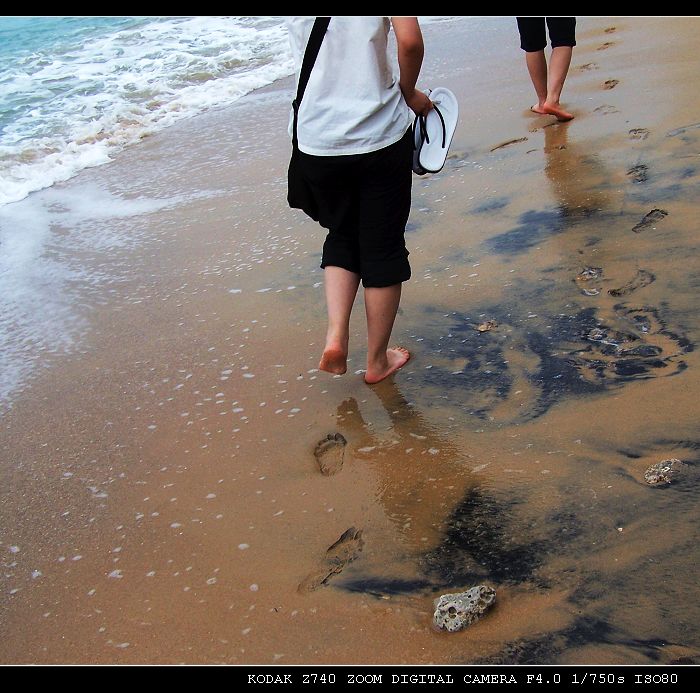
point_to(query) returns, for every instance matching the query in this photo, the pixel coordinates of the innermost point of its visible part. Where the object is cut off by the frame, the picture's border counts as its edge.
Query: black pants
(364, 201)
(562, 32)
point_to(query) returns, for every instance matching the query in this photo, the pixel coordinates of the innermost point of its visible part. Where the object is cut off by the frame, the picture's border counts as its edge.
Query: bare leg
(537, 67)
(381, 306)
(341, 289)
(558, 69)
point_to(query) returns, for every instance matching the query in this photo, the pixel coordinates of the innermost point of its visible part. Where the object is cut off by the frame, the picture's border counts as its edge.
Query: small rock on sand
(663, 472)
(487, 326)
(454, 612)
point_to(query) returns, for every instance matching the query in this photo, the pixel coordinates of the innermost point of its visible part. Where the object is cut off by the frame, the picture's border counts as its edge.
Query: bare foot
(558, 111)
(334, 360)
(396, 358)
(538, 109)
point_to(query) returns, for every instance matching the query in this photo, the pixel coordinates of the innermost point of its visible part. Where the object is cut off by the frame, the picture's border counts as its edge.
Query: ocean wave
(76, 102)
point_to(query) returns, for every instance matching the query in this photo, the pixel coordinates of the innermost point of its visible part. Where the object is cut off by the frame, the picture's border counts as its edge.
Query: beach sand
(160, 498)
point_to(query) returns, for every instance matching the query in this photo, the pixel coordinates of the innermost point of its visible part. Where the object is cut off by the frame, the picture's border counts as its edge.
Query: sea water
(76, 90)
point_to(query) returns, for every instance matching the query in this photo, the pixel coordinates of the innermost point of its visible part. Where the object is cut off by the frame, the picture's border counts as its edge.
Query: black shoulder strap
(312, 48)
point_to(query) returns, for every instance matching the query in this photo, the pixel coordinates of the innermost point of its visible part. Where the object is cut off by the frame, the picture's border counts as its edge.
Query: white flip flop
(433, 134)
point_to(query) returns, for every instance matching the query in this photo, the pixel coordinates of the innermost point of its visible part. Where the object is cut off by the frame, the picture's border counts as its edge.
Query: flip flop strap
(421, 122)
(444, 129)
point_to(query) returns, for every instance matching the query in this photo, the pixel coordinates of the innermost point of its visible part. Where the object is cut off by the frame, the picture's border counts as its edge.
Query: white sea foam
(74, 104)
(41, 291)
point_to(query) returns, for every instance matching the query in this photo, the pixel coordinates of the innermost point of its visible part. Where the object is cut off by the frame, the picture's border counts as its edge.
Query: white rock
(454, 612)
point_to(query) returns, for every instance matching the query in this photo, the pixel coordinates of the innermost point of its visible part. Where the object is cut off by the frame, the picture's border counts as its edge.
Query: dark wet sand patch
(534, 226)
(585, 632)
(689, 444)
(666, 193)
(548, 648)
(383, 587)
(481, 543)
(493, 205)
(576, 354)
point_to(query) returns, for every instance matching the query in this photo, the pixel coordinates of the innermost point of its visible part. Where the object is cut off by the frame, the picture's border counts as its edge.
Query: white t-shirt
(353, 103)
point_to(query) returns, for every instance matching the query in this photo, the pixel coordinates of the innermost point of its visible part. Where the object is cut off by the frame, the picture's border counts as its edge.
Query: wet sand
(160, 498)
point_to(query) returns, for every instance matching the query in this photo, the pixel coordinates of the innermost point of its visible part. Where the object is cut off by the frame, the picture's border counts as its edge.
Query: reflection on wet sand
(586, 343)
(421, 475)
(579, 179)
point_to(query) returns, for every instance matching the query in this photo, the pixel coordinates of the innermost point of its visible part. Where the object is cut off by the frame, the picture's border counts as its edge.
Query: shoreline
(182, 494)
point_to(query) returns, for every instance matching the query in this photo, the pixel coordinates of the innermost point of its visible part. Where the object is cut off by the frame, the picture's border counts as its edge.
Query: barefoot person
(356, 153)
(548, 83)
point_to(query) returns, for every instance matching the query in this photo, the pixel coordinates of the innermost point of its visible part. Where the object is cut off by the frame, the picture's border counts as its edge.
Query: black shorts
(364, 201)
(562, 32)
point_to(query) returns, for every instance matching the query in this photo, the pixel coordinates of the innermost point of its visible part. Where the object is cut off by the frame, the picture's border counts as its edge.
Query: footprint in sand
(606, 45)
(610, 29)
(641, 279)
(683, 130)
(618, 354)
(639, 173)
(650, 219)
(330, 453)
(588, 280)
(588, 66)
(610, 83)
(606, 109)
(638, 133)
(508, 143)
(344, 551)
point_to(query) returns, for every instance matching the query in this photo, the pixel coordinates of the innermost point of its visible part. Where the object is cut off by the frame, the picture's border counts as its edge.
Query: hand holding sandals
(419, 102)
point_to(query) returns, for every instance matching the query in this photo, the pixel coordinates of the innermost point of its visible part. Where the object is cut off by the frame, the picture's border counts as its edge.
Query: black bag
(299, 194)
